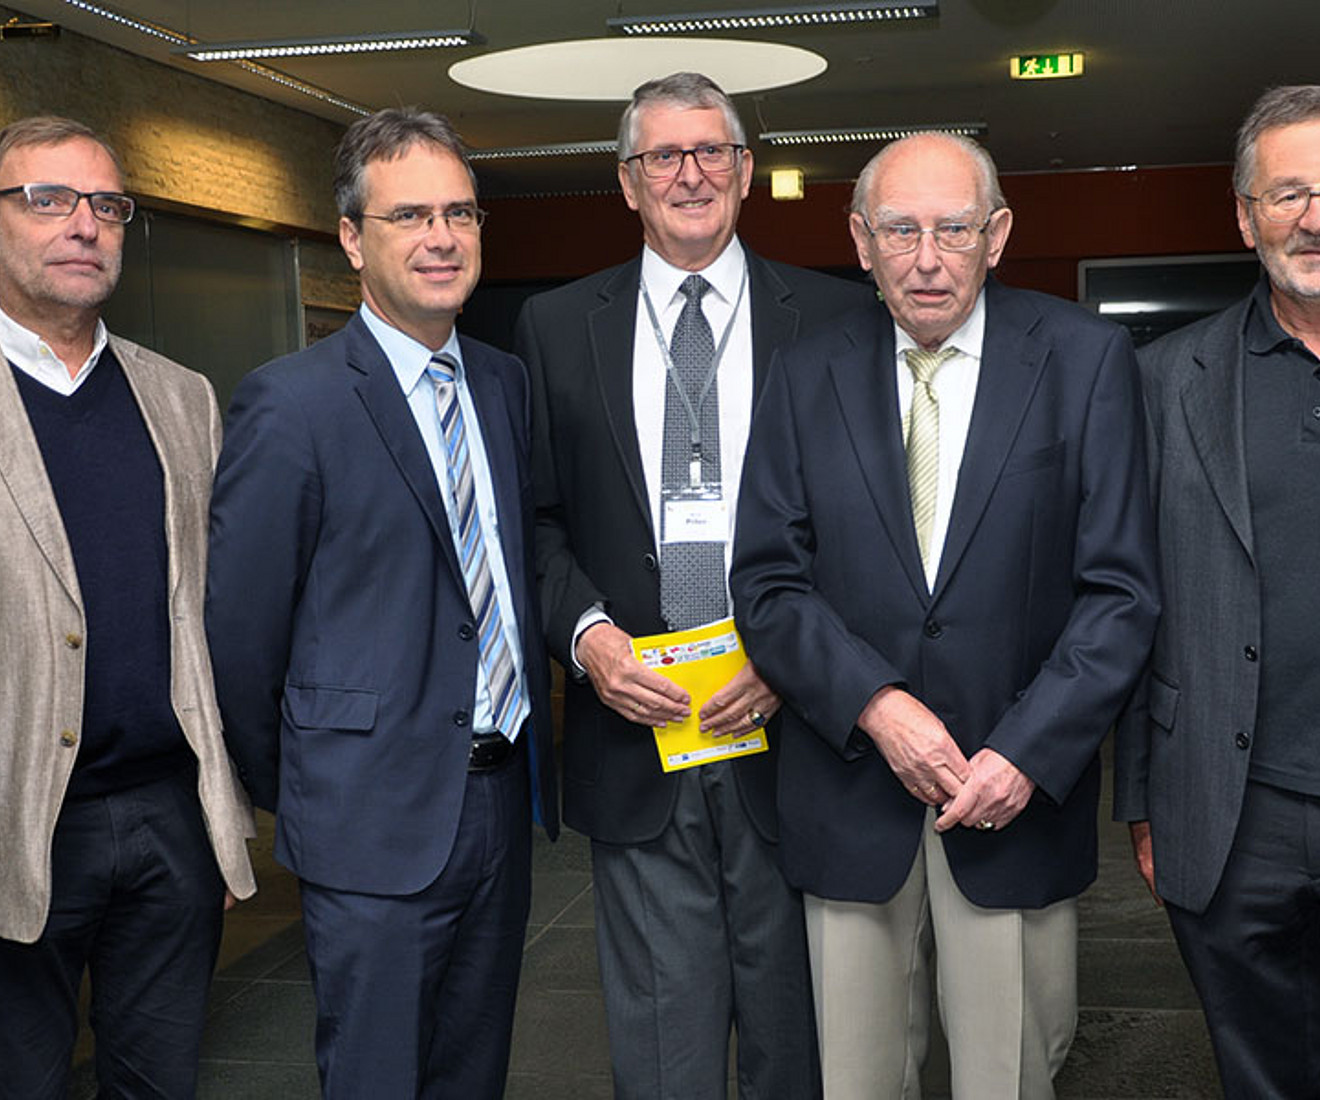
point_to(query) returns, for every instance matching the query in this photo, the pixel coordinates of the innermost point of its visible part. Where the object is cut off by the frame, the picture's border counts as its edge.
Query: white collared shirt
(662, 280)
(34, 357)
(409, 359)
(955, 390)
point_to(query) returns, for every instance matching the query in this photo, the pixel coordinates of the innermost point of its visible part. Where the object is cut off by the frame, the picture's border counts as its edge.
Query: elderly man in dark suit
(945, 565)
(696, 929)
(377, 646)
(1218, 763)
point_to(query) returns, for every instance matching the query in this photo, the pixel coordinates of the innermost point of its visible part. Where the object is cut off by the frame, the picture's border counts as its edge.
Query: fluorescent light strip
(151, 29)
(789, 16)
(1130, 308)
(871, 133)
(562, 149)
(318, 47)
(274, 76)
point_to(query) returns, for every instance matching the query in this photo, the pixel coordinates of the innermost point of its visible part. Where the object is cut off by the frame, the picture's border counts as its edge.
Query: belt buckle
(488, 751)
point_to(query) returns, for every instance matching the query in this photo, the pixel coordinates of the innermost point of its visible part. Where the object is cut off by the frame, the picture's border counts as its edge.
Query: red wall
(1059, 218)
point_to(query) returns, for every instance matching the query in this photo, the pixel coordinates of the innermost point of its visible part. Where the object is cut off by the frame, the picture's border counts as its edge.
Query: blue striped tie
(506, 694)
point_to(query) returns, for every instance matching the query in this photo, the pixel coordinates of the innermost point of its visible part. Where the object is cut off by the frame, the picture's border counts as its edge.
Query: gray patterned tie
(692, 586)
(506, 695)
(923, 442)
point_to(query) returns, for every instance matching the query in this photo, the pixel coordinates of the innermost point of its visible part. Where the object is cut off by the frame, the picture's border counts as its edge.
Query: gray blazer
(1184, 743)
(42, 625)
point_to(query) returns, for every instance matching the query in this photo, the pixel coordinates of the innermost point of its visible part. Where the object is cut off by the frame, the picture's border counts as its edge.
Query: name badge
(695, 519)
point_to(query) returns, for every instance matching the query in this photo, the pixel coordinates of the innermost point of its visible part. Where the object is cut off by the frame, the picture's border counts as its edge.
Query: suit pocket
(1162, 702)
(1034, 459)
(330, 708)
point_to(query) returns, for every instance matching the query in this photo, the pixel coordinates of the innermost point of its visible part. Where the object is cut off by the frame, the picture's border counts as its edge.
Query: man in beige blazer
(122, 824)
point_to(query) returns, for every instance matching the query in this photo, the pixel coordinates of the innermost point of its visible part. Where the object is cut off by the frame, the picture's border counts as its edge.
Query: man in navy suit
(945, 566)
(376, 639)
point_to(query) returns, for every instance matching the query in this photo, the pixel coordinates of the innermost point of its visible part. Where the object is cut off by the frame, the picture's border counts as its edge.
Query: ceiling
(1166, 81)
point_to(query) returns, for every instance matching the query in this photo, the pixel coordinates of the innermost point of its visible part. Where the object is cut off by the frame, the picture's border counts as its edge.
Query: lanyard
(693, 412)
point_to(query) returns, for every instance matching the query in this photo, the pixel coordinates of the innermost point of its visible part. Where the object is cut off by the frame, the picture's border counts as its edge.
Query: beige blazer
(42, 625)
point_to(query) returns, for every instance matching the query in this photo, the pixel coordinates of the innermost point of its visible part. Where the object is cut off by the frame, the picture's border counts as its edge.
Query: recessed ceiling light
(871, 133)
(610, 68)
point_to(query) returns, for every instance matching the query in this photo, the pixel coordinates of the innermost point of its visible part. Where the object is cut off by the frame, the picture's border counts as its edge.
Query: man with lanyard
(644, 378)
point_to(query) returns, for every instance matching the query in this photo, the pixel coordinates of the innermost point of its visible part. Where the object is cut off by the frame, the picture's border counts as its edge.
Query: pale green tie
(923, 442)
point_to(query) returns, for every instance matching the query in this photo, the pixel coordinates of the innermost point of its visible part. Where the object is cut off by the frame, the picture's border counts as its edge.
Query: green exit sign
(1045, 66)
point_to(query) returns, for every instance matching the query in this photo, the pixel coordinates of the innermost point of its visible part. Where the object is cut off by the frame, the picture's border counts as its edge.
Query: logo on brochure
(663, 655)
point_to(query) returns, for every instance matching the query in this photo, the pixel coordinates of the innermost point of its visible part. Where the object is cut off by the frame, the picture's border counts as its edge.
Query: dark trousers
(698, 934)
(415, 995)
(1254, 954)
(138, 899)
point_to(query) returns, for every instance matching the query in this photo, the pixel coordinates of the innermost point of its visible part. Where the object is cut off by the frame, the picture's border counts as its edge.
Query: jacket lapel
(610, 328)
(24, 475)
(1011, 362)
(774, 317)
(867, 390)
(379, 391)
(1212, 402)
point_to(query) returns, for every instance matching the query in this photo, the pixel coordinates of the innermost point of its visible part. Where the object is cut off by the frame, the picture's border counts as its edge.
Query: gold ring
(756, 718)
(985, 825)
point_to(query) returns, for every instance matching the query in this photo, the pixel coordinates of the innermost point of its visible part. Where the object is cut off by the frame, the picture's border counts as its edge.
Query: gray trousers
(698, 933)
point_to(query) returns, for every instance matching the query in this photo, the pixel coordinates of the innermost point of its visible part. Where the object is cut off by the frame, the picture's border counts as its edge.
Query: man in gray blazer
(122, 825)
(1218, 763)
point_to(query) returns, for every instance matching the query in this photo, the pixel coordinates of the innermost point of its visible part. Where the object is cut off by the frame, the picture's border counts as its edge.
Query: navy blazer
(1040, 618)
(594, 542)
(341, 634)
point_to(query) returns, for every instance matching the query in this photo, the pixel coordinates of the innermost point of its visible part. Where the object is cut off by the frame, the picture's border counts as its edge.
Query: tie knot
(442, 368)
(923, 364)
(694, 286)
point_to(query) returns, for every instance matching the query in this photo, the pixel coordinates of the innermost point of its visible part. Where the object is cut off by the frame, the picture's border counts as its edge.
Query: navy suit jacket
(594, 542)
(1040, 618)
(341, 634)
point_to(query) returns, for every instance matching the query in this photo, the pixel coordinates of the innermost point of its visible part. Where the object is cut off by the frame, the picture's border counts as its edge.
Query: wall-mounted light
(871, 133)
(16, 28)
(791, 15)
(787, 184)
(258, 49)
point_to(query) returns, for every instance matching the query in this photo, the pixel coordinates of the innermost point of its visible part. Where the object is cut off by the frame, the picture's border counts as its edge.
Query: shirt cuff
(590, 617)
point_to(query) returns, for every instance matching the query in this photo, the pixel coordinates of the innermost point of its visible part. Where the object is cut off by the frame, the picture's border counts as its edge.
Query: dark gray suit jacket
(1184, 744)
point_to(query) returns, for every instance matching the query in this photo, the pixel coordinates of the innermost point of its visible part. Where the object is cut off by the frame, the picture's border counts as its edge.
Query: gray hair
(52, 130)
(1278, 107)
(684, 90)
(388, 135)
(988, 185)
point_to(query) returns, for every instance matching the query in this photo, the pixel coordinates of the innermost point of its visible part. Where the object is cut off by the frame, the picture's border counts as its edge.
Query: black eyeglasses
(54, 200)
(659, 164)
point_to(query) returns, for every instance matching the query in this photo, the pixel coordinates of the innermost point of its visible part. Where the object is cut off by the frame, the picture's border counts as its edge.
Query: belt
(489, 751)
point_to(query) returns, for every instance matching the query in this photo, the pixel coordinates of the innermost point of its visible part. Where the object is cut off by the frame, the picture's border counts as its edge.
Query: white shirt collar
(33, 356)
(725, 274)
(407, 356)
(968, 338)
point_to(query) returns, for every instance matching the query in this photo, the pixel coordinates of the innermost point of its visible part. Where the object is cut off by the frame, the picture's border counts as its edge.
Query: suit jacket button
(1242, 740)
(933, 629)
(1250, 652)
(73, 641)
(648, 562)
(466, 632)
(462, 718)
(68, 738)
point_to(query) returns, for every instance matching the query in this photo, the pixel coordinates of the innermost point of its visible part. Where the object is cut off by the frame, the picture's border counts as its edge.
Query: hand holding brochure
(702, 661)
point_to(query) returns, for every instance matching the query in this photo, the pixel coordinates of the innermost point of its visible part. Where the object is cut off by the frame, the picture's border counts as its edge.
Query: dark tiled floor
(1140, 1035)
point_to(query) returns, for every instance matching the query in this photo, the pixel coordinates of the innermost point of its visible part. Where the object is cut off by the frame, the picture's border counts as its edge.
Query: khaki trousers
(1006, 978)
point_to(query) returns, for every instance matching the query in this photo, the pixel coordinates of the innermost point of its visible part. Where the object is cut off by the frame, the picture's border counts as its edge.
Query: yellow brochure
(702, 661)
